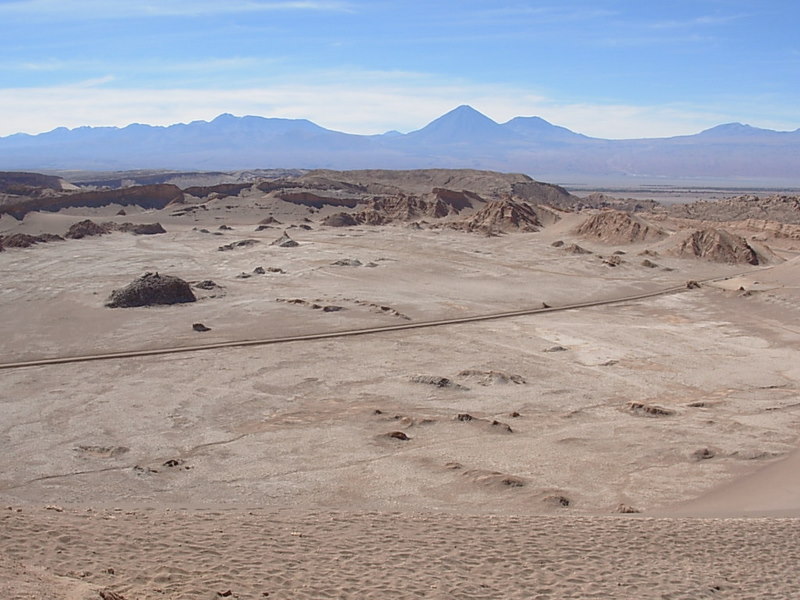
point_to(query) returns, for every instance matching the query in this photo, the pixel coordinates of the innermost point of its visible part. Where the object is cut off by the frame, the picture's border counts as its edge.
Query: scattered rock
(347, 262)
(491, 377)
(206, 284)
(173, 462)
(626, 510)
(244, 275)
(555, 349)
(558, 244)
(612, 261)
(109, 595)
(141, 229)
(398, 435)
(575, 249)
(514, 415)
(464, 417)
(502, 426)
(648, 263)
(269, 221)
(440, 382)
(151, 289)
(102, 451)
(692, 285)
(332, 308)
(200, 327)
(121, 213)
(239, 244)
(557, 500)
(224, 227)
(340, 219)
(703, 454)
(649, 410)
(284, 241)
(259, 271)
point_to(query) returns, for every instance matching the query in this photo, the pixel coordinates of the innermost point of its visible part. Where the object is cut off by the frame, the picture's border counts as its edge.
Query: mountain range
(462, 138)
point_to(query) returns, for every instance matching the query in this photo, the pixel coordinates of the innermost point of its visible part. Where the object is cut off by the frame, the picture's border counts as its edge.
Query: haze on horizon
(605, 68)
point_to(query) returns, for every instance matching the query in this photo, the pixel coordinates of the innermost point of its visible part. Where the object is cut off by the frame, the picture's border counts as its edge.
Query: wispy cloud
(106, 9)
(702, 21)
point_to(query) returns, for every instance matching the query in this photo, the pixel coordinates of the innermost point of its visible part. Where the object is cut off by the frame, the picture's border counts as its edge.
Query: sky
(604, 68)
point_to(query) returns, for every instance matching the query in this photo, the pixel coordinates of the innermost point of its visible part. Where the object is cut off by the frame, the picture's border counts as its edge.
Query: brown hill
(617, 227)
(501, 215)
(717, 245)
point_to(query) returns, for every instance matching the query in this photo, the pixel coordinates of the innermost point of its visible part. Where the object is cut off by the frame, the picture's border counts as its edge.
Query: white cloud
(364, 103)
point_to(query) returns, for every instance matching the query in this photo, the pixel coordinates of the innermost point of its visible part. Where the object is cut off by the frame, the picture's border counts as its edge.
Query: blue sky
(606, 68)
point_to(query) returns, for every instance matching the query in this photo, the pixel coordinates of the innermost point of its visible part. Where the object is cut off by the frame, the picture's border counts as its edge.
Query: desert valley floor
(630, 449)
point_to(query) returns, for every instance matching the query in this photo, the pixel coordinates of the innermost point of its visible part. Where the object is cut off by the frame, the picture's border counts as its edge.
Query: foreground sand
(268, 469)
(287, 555)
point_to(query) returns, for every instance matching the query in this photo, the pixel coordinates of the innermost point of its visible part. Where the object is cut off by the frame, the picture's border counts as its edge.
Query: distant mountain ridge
(461, 138)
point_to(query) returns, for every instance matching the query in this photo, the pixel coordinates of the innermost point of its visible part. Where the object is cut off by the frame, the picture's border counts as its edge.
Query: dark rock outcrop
(151, 289)
(87, 228)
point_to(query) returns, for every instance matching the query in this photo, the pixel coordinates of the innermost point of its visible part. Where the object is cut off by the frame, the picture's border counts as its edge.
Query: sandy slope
(268, 469)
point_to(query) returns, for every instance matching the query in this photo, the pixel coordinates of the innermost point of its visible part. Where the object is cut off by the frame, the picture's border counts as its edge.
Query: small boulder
(200, 327)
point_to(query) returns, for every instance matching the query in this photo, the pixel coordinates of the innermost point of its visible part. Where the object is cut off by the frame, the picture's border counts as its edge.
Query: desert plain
(626, 434)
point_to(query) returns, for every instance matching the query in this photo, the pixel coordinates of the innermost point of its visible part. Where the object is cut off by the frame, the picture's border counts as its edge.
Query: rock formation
(151, 289)
(717, 245)
(617, 227)
(501, 215)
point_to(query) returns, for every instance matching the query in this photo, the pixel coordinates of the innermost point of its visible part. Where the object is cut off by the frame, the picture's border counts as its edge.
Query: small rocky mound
(87, 228)
(340, 219)
(502, 215)
(491, 377)
(347, 262)
(436, 381)
(649, 410)
(617, 227)
(269, 221)
(575, 249)
(716, 245)
(142, 229)
(239, 244)
(19, 240)
(284, 241)
(151, 289)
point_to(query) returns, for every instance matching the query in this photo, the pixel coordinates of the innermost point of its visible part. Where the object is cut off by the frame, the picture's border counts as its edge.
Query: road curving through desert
(60, 360)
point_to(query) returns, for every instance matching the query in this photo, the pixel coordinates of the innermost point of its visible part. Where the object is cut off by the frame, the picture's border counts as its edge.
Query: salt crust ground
(279, 450)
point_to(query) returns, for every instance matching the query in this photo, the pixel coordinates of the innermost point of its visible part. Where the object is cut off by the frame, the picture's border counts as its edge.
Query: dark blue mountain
(461, 138)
